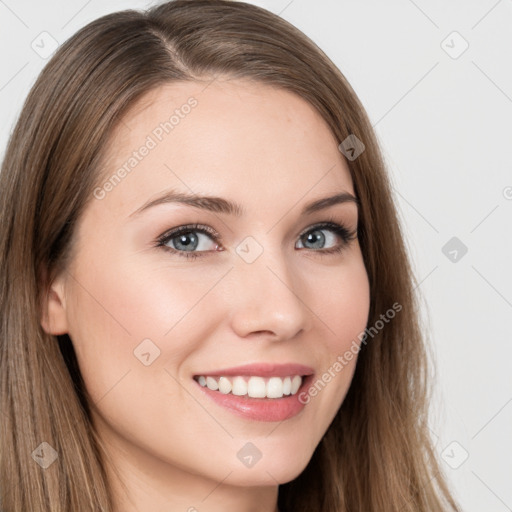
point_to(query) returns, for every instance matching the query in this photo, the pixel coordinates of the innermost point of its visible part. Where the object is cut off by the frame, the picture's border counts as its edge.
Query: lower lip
(260, 409)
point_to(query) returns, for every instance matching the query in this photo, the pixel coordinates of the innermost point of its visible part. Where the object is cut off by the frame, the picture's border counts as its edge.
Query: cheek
(125, 316)
(344, 306)
(343, 309)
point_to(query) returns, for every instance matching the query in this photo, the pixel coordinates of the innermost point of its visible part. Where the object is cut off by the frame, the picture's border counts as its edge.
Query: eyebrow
(220, 205)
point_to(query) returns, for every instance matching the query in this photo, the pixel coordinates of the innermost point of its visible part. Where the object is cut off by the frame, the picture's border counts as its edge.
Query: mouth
(258, 392)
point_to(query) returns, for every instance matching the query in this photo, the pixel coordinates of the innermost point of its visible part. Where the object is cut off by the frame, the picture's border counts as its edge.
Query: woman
(206, 300)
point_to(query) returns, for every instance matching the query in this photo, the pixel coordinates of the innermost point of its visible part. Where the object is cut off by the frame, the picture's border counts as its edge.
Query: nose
(269, 299)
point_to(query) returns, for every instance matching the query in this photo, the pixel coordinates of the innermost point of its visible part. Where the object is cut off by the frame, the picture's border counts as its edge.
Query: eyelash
(330, 224)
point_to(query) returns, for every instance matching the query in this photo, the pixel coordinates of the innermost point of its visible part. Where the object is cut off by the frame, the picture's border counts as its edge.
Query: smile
(252, 386)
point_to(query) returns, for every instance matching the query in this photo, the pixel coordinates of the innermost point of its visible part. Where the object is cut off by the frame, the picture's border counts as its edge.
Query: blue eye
(197, 240)
(185, 240)
(319, 240)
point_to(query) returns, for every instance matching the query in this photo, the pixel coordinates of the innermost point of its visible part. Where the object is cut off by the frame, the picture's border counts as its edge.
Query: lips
(263, 391)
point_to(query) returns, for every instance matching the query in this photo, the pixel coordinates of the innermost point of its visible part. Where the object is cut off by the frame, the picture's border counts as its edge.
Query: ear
(54, 318)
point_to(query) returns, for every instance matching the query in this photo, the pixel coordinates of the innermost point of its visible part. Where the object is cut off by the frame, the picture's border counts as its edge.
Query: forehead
(236, 138)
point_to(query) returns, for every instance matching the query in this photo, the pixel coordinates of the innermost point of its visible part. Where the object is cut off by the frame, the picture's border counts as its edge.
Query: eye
(190, 241)
(324, 238)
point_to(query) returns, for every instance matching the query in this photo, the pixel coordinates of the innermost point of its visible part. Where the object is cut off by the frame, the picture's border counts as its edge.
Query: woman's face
(151, 312)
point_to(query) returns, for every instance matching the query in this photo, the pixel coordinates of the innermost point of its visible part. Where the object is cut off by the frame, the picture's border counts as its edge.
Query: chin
(279, 468)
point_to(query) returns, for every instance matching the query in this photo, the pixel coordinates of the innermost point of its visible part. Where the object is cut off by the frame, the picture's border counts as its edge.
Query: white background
(445, 127)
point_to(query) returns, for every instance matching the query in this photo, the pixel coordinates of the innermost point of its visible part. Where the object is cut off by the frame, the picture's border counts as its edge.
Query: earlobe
(54, 318)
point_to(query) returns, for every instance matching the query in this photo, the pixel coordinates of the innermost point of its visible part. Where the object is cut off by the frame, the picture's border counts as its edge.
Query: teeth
(275, 387)
(211, 383)
(296, 382)
(224, 385)
(287, 386)
(255, 387)
(239, 386)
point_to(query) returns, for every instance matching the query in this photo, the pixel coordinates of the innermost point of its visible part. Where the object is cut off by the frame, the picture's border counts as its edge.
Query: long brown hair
(377, 454)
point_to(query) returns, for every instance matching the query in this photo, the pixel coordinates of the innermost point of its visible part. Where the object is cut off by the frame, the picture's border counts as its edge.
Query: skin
(172, 447)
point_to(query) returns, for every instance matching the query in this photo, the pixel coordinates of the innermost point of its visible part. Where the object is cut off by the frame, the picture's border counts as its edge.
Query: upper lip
(263, 370)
